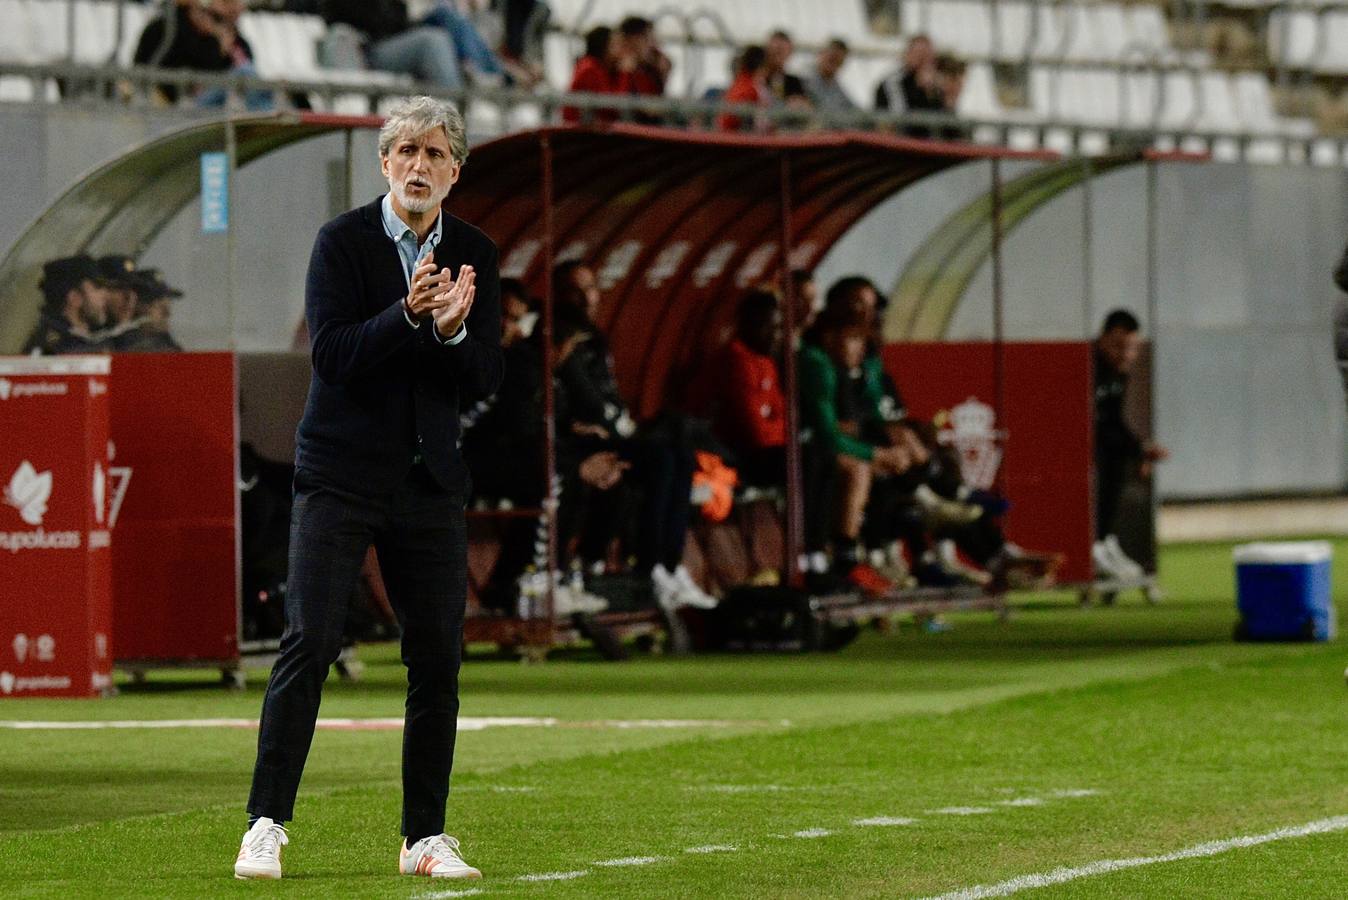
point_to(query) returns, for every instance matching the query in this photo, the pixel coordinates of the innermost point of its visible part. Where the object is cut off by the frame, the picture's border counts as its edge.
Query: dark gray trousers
(421, 539)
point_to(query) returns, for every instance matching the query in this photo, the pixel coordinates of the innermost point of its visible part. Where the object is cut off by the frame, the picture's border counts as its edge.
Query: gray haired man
(403, 307)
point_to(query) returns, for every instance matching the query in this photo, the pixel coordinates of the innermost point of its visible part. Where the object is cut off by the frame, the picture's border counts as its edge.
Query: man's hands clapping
(436, 294)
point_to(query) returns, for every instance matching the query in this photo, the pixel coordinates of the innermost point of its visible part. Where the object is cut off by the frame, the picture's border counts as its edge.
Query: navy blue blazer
(382, 392)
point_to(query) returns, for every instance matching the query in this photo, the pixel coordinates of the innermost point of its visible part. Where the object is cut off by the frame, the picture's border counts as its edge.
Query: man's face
(92, 304)
(951, 87)
(227, 11)
(807, 303)
(831, 59)
(158, 312)
(639, 45)
(420, 170)
(513, 308)
(121, 305)
(868, 299)
(1120, 348)
(582, 278)
(918, 54)
(779, 51)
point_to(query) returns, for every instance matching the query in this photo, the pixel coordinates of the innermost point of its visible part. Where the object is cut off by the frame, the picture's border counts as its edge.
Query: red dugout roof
(678, 224)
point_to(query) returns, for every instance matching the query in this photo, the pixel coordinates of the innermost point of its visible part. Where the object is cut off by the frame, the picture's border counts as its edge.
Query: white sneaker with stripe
(436, 856)
(260, 853)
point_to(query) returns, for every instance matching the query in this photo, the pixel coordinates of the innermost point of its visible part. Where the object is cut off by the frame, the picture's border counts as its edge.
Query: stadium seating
(1307, 39)
(1098, 64)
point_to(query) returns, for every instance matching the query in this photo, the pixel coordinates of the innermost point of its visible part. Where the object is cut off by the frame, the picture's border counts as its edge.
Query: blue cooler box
(1282, 592)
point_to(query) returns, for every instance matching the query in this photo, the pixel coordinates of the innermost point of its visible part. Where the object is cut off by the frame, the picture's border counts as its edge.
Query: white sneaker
(568, 599)
(1123, 564)
(260, 853)
(436, 857)
(666, 588)
(1104, 562)
(690, 594)
(948, 555)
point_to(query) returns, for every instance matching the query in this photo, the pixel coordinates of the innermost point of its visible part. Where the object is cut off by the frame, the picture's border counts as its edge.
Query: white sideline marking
(812, 833)
(631, 861)
(1076, 792)
(713, 848)
(554, 876)
(444, 895)
(1104, 866)
(1021, 801)
(466, 723)
(882, 821)
(961, 811)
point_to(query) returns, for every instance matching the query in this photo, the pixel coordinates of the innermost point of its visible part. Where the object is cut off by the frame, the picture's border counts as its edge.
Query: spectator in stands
(823, 87)
(914, 87)
(392, 43)
(662, 468)
(519, 311)
(640, 55)
(75, 307)
(950, 72)
(525, 23)
(149, 331)
(597, 72)
(1119, 453)
(482, 64)
(786, 89)
(748, 410)
(205, 38)
(749, 87)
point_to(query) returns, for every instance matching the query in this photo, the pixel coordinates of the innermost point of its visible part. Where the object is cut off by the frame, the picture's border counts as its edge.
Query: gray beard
(414, 205)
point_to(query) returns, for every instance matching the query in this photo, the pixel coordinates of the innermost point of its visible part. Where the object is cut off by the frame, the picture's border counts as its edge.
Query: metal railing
(135, 88)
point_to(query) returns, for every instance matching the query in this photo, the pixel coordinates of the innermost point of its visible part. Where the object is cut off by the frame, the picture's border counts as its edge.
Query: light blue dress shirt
(405, 239)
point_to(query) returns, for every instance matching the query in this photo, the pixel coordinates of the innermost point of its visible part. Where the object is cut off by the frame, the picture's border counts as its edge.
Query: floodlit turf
(910, 764)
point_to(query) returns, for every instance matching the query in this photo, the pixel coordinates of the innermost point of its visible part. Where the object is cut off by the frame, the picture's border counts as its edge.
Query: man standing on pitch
(403, 307)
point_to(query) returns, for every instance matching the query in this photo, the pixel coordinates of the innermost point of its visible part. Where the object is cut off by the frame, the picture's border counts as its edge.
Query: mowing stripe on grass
(466, 723)
(1105, 866)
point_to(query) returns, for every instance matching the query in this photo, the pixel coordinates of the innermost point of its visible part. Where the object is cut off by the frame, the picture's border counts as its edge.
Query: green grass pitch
(909, 764)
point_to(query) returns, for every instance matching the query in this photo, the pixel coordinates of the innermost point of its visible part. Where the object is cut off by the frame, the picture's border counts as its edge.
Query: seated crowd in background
(626, 60)
(925, 82)
(619, 483)
(884, 501)
(442, 43)
(109, 305)
(455, 44)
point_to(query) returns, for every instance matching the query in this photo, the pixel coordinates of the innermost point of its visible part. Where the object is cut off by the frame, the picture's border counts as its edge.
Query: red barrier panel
(55, 605)
(175, 565)
(1038, 452)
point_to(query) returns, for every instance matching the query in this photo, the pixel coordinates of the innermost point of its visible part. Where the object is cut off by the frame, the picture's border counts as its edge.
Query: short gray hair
(415, 116)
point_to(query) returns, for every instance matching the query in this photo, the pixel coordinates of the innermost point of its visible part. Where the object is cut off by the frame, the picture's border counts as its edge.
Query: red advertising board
(175, 562)
(55, 605)
(1036, 452)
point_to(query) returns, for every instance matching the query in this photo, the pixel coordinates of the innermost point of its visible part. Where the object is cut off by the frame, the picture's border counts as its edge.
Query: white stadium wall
(1249, 397)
